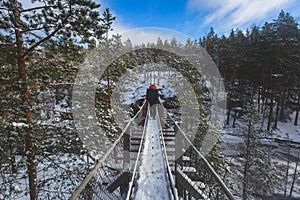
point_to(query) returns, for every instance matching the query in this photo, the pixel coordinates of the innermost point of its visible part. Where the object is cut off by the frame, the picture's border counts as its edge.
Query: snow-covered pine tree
(30, 28)
(254, 167)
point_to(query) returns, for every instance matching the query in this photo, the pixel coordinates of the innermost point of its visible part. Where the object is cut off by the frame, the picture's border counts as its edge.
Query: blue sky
(195, 17)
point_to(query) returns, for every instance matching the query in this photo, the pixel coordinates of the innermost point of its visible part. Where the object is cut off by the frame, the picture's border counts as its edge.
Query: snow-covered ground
(152, 182)
(137, 81)
(58, 177)
(288, 131)
(284, 143)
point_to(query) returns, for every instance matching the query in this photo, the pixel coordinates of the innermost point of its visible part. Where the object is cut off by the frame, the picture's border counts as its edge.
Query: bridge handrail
(210, 168)
(170, 175)
(102, 160)
(130, 188)
(212, 171)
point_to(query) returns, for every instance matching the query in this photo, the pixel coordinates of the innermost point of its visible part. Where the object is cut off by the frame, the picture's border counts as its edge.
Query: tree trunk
(263, 111)
(297, 112)
(247, 157)
(277, 113)
(282, 106)
(287, 168)
(109, 92)
(258, 100)
(263, 99)
(228, 116)
(234, 119)
(25, 98)
(270, 114)
(109, 88)
(30, 151)
(294, 175)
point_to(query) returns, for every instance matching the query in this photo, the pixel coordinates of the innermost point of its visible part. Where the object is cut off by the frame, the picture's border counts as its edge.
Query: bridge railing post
(178, 157)
(178, 146)
(126, 148)
(194, 173)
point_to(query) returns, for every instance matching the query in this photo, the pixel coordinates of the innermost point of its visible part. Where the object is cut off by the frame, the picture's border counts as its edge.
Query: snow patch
(152, 182)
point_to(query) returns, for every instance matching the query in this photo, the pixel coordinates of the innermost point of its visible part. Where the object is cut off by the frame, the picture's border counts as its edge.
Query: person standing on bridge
(152, 98)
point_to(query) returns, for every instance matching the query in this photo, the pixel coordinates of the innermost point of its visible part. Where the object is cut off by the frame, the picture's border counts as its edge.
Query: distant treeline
(260, 65)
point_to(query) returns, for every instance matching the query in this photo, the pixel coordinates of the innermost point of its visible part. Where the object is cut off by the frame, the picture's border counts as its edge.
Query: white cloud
(224, 15)
(118, 28)
(138, 36)
(151, 34)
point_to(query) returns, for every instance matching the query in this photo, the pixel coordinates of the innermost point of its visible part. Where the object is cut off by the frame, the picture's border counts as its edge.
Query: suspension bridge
(152, 159)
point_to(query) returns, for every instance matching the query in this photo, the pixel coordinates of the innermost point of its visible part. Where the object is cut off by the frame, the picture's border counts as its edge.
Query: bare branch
(51, 34)
(38, 8)
(30, 30)
(3, 8)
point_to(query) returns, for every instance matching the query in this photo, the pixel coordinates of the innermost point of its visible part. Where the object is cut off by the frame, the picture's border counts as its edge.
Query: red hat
(153, 87)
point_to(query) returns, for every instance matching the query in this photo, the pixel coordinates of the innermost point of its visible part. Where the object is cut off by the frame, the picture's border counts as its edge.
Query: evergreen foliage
(41, 46)
(40, 50)
(263, 59)
(260, 67)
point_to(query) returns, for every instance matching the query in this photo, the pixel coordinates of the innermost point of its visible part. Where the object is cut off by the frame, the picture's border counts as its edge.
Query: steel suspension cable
(130, 189)
(169, 173)
(81, 187)
(212, 171)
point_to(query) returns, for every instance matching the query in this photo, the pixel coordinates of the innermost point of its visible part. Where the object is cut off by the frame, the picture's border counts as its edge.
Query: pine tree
(255, 165)
(30, 29)
(287, 49)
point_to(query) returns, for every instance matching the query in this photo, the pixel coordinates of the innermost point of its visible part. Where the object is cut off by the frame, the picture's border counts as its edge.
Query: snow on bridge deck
(152, 182)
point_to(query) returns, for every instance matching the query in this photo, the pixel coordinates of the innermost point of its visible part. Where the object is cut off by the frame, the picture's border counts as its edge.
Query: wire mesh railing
(134, 185)
(138, 161)
(195, 177)
(173, 190)
(110, 177)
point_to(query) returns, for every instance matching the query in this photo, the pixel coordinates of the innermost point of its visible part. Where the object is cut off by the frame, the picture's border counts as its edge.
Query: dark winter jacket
(152, 96)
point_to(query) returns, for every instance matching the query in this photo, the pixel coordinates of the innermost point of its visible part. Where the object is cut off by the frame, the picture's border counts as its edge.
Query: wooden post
(126, 147)
(126, 160)
(177, 155)
(178, 146)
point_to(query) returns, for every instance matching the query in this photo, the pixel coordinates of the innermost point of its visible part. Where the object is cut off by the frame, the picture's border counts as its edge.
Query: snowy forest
(41, 51)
